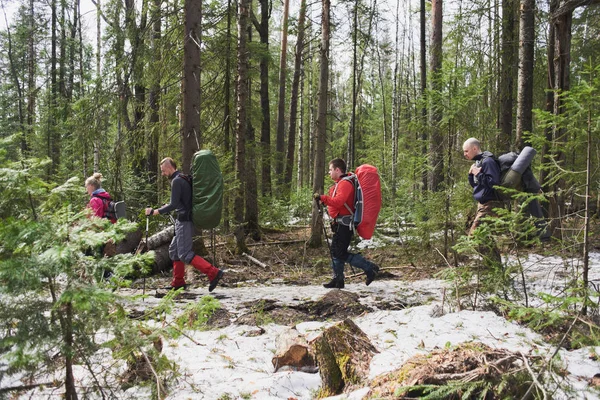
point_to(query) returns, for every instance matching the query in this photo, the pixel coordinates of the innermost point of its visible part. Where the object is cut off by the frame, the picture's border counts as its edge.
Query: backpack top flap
(207, 190)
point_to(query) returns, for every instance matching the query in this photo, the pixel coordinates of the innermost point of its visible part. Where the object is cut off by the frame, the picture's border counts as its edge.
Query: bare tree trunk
(321, 126)
(265, 131)
(352, 132)
(586, 225)
(227, 113)
(525, 85)
(191, 135)
(67, 328)
(280, 138)
(251, 213)
(546, 149)
(436, 147)
(294, 97)
(395, 106)
(508, 72)
(241, 125)
(153, 135)
(31, 89)
(424, 117)
(53, 144)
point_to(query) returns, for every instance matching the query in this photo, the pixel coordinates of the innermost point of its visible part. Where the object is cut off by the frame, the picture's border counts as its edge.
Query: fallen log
(293, 351)
(162, 262)
(127, 245)
(343, 353)
(159, 239)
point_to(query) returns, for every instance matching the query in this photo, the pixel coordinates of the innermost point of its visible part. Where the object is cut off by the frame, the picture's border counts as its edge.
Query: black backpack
(113, 209)
(515, 170)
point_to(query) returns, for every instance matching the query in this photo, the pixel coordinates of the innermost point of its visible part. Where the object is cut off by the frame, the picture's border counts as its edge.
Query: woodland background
(276, 90)
(277, 94)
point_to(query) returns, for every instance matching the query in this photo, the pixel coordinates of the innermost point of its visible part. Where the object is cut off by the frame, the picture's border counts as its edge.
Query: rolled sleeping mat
(512, 179)
(523, 160)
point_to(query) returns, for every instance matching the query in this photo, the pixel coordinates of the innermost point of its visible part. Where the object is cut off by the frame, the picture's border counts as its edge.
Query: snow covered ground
(233, 363)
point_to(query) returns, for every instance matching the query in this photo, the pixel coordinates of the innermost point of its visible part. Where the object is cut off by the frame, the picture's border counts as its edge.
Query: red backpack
(367, 199)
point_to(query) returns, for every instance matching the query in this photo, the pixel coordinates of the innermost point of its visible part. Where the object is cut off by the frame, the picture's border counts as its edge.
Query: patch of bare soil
(487, 372)
(285, 257)
(338, 304)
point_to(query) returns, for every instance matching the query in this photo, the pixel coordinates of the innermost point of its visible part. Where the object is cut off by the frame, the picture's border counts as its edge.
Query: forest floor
(409, 314)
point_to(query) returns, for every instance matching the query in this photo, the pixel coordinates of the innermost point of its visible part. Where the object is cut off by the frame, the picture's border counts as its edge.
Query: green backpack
(207, 190)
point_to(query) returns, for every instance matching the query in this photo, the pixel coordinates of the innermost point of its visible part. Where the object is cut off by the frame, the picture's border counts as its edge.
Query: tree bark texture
(436, 144)
(508, 72)
(280, 136)
(293, 351)
(321, 128)
(525, 75)
(241, 126)
(423, 70)
(191, 135)
(343, 353)
(265, 131)
(294, 96)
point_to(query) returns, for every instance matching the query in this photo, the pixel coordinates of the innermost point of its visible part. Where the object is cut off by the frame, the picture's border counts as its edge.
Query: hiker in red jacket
(99, 198)
(340, 205)
(180, 249)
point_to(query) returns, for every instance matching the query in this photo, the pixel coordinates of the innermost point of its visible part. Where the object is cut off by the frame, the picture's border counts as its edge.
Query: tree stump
(343, 353)
(293, 352)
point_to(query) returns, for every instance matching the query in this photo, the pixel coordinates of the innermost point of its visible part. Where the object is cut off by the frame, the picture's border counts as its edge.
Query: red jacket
(339, 194)
(99, 203)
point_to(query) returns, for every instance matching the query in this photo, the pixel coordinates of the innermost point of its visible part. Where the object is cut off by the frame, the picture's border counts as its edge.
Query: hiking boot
(334, 283)
(177, 287)
(215, 282)
(375, 267)
(371, 275)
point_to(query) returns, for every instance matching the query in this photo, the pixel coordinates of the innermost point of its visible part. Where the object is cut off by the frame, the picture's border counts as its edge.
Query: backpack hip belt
(346, 220)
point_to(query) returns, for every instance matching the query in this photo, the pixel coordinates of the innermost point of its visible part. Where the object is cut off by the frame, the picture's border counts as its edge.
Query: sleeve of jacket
(342, 195)
(97, 206)
(175, 197)
(472, 180)
(489, 176)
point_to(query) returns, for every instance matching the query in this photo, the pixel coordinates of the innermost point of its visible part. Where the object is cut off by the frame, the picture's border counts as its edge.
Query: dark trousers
(342, 235)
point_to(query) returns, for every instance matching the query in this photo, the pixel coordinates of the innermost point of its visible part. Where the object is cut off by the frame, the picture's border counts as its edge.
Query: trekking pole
(144, 284)
(320, 205)
(321, 212)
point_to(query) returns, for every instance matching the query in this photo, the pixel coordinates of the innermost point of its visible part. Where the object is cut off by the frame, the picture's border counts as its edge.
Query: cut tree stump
(343, 353)
(293, 352)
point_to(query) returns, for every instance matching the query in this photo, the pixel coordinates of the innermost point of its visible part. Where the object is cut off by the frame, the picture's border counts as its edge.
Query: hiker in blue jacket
(340, 206)
(180, 249)
(484, 174)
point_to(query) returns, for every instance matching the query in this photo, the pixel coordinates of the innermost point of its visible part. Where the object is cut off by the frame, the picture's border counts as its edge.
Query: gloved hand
(317, 197)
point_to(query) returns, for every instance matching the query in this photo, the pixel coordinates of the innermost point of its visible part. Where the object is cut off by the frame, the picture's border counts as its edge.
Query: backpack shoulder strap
(105, 202)
(186, 177)
(352, 179)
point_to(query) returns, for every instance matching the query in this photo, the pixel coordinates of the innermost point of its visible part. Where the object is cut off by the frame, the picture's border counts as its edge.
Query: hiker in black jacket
(484, 174)
(180, 250)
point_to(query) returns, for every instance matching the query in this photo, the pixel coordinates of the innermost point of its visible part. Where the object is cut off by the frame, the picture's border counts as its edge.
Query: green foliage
(53, 299)
(195, 315)
(279, 213)
(555, 319)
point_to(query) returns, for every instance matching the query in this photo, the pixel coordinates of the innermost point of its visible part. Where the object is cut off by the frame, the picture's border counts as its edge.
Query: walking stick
(144, 284)
(320, 206)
